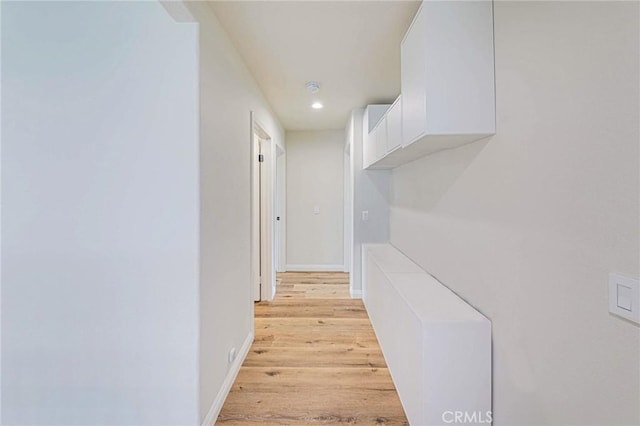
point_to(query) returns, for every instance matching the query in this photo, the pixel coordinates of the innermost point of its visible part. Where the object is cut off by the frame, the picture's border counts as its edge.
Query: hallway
(315, 359)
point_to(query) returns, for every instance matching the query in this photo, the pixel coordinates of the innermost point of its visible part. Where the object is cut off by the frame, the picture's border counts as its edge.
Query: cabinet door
(381, 138)
(368, 149)
(394, 126)
(412, 73)
(459, 67)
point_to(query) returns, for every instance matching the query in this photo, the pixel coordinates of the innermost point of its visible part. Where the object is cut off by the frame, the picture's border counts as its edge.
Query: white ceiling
(352, 48)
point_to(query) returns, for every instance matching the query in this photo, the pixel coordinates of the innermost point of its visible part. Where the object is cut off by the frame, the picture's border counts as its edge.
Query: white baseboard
(355, 294)
(216, 406)
(315, 268)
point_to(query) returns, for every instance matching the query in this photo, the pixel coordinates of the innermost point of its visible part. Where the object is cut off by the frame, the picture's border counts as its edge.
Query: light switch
(624, 297)
(316, 210)
(365, 215)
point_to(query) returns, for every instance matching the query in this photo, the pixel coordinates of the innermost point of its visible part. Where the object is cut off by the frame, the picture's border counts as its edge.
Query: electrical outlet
(232, 355)
(365, 215)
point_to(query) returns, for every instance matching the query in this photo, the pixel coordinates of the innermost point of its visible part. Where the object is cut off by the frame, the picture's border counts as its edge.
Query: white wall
(370, 194)
(315, 163)
(99, 215)
(227, 95)
(527, 225)
(1, 133)
(348, 203)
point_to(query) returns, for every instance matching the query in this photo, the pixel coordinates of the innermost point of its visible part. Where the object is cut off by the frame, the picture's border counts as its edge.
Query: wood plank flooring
(315, 360)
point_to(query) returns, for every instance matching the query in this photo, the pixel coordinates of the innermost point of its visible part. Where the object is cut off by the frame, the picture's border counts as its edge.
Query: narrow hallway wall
(99, 214)
(228, 93)
(527, 225)
(371, 195)
(315, 203)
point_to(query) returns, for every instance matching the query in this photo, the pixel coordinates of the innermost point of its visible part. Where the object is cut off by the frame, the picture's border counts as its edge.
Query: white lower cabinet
(437, 347)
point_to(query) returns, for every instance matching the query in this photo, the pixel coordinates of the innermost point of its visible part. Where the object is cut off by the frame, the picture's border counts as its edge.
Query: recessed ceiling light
(317, 105)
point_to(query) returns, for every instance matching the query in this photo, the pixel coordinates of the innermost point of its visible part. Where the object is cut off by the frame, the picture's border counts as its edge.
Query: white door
(262, 213)
(265, 231)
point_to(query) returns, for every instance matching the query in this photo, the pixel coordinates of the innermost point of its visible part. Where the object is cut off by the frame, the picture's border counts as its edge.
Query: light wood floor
(315, 360)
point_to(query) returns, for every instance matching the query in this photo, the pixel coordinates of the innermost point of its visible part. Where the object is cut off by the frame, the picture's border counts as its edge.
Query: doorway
(266, 219)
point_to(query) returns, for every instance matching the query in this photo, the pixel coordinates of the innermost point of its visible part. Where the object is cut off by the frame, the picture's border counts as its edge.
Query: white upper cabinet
(373, 115)
(394, 126)
(447, 75)
(368, 149)
(412, 74)
(381, 138)
(447, 79)
(384, 138)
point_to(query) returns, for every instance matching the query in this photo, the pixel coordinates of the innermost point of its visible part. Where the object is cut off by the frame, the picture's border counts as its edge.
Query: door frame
(267, 219)
(348, 206)
(280, 241)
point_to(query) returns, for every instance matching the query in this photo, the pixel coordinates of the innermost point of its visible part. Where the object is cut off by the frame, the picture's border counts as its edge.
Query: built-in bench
(437, 347)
